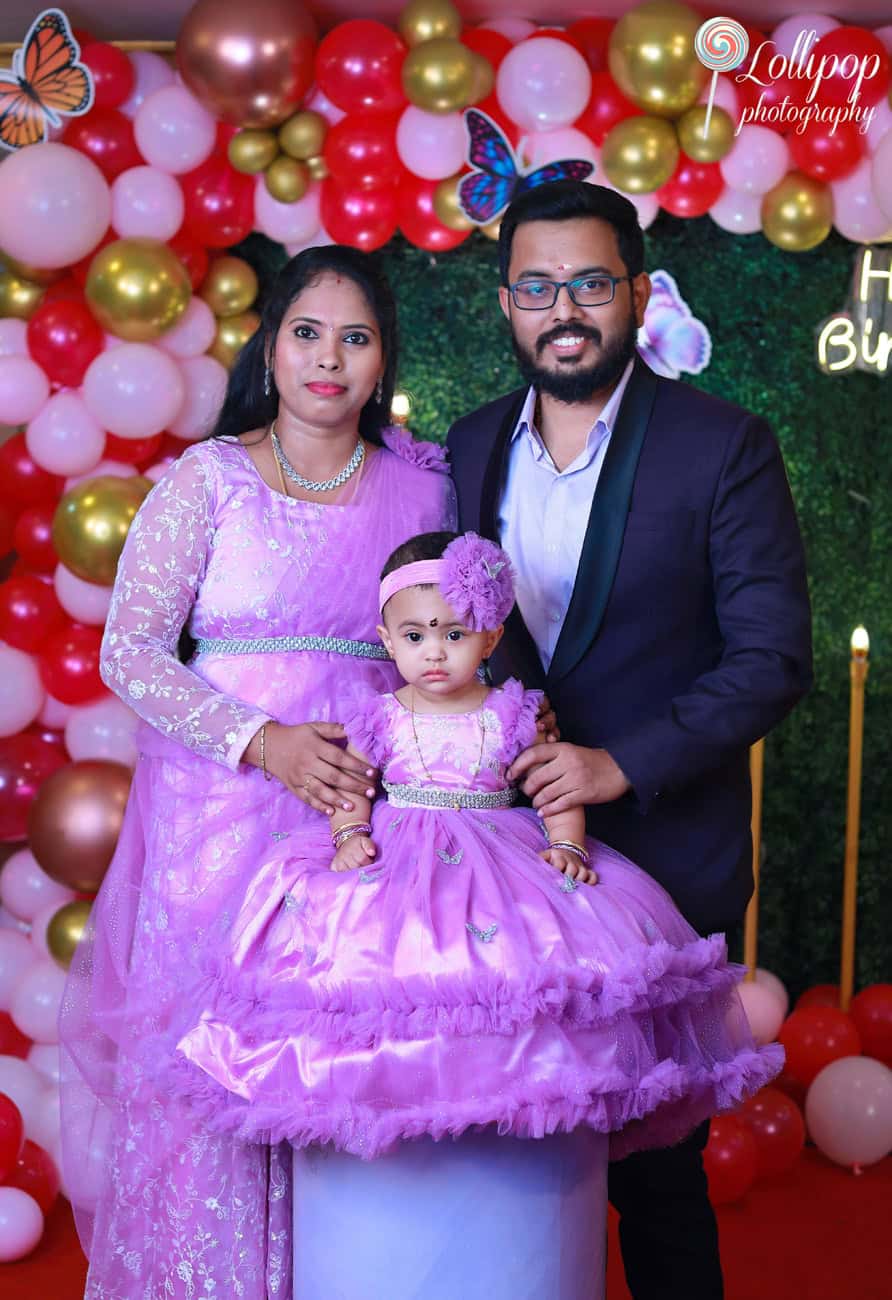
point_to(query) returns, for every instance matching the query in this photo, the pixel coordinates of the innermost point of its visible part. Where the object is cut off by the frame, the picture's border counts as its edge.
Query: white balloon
(16, 956)
(739, 213)
(115, 468)
(46, 1124)
(36, 1001)
(193, 333)
(21, 690)
(21, 1224)
(45, 1059)
(103, 729)
(39, 927)
(779, 988)
(10, 922)
(86, 602)
(24, 1086)
(54, 713)
(26, 889)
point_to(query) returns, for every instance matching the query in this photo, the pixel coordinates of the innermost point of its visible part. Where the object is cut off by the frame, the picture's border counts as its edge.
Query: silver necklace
(309, 485)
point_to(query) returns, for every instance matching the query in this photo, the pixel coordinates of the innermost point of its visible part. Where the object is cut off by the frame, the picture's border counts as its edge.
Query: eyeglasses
(586, 291)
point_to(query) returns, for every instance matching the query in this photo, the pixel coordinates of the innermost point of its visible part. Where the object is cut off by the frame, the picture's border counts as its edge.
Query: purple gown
(460, 980)
(165, 1207)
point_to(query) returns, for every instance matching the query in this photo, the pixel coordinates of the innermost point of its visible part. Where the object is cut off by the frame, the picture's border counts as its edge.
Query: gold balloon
(66, 929)
(484, 78)
(230, 286)
(19, 297)
(137, 288)
(652, 60)
(36, 274)
(91, 524)
(317, 168)
(798, 213)
(252, 151)
(250, 64)
(232, 334)
(640, 154)
(446, 205)
(429, 20)
(75, 820)
(711, 147)
(440, 75)
(287, 179)
(303, 135)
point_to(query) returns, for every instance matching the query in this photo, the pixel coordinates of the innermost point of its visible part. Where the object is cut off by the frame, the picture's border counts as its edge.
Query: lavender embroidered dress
(461, 980)
(165, 1207)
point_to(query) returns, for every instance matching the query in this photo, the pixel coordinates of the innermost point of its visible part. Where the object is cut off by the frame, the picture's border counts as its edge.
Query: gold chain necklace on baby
(480, 719)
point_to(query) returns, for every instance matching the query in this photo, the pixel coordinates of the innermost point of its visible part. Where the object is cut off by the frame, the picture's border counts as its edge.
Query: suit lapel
(606, 524)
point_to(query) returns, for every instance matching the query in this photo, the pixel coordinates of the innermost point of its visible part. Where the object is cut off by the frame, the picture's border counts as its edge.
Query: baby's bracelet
(267, 776)
(578, 850)
(347, 831)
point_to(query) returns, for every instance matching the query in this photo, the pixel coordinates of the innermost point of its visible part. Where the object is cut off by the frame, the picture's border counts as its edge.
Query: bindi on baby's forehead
(434, 622)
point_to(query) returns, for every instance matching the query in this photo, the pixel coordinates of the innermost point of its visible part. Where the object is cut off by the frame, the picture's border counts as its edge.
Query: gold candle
(751, 924)
(858, 666)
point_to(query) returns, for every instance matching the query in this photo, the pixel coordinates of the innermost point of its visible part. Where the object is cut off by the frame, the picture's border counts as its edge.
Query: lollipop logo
(721, 44)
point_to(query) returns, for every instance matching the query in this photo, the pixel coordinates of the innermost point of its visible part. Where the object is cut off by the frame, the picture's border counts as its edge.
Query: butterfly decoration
(485, 936)
(485, 193)
(672, 340)
(451, 859)
(45, 80)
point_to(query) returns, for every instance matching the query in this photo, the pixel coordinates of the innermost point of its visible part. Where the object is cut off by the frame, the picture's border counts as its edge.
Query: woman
(265, 543)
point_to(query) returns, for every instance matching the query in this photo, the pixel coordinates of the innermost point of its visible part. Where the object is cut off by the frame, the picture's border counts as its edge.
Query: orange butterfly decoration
(46, 80)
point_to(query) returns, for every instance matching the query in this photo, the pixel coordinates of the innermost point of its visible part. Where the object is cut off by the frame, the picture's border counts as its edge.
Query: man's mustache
(561, 331)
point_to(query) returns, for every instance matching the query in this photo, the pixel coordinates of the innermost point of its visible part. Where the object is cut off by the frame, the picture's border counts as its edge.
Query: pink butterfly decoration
(672, 340)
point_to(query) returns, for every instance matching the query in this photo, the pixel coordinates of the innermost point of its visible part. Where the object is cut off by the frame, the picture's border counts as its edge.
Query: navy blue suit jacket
(688, 635)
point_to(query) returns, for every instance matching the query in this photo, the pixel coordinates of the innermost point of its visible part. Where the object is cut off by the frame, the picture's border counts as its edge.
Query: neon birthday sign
(860, 337)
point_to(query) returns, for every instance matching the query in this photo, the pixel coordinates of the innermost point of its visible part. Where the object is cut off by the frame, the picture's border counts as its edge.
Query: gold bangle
(267, 776)
(346, 826)
(569, 844)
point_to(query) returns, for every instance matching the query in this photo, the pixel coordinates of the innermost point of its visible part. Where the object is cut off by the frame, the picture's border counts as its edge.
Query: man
(662, 603)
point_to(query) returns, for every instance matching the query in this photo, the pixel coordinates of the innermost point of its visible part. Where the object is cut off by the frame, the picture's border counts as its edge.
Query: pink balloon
(21, 690)
(857, 213)
(543, 84)
(86, 602)
(431, 145)
(46, 1121)
(541, 147)
(513, 29)
(54, 205)
(63, 437)
(758, 161)
(13, 337)
(193, 333)
(26, 889)
(726, 97)
(785, 34)
(848, 1111)
(320, 240)
(146, 202)
(21, 1224)
(881, 174)
(741, 214)
(204, 380)
(45, 1059)
(117, 469)
(24, 1086)
(10, 922)
(321, 104)
(36, 1001)
(764, 1011)
(54, 713)
(174, 131)
(134, 390)
(880, 125)
(103, 729)
(17, 954)
(150, 73)
(770, 981)
(159, 469)
(23, 388)
(884, 34)
(38, 931)
(286, 223)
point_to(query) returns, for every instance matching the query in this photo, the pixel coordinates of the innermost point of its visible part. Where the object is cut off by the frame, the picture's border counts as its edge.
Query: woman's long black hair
(246, 405)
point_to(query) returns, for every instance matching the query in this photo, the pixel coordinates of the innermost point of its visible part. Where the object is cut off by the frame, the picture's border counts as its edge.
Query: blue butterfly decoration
(485, 194)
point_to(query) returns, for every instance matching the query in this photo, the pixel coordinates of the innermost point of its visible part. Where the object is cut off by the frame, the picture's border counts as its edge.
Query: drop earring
(379, 391)
(268, 383)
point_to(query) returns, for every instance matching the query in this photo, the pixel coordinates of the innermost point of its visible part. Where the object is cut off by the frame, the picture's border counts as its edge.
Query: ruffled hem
(361, 1015)
(658, 1110)
(366, 724)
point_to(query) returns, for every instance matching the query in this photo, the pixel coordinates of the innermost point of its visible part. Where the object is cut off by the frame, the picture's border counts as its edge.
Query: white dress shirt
(543, 513)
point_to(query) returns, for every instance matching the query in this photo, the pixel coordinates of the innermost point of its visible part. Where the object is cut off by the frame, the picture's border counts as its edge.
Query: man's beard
(580, 383)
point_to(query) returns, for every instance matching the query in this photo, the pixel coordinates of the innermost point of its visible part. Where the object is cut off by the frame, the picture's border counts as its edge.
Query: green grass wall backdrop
(762, 308)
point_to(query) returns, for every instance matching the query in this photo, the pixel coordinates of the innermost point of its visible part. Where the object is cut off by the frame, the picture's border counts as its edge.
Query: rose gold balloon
(74, 822)
(251, 64)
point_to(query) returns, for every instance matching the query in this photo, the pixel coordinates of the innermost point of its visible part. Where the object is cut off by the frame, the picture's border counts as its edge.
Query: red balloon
(47, 734)
(66, 288)
(29, 612)
(25, 763)
(792, 1088)
(105, 136)
(851, 47)
(63, 338)
(557, 34)
(819, 995)
(69, 664)
(692, 189)
(35, 1173)
(492, 45)
(113, 75)
(225, 132)
(192, 254)
(729, 1159)
(825, 151)
(359, 66)
(365, 219)
(361, 151)
(812, 1037)
(22, 481)
(607, 105)
(776, 1123)
(80, 270)
(12, 1135)
(219, 203)
(7, 529)
(591, 36)
(32, 538)
(419, 222)
(133, 451)
(871, 1011)
(12, 1041)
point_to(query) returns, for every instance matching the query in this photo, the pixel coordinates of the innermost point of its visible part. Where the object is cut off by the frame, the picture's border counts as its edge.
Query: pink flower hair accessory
(477, 581)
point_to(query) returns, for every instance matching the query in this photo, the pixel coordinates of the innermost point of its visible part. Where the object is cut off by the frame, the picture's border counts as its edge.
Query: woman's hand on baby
(568, 864)
(355, 853)
(546, 721)
(319, 772)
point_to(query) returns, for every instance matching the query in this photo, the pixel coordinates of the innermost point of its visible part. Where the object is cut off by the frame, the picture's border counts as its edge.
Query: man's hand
(561, 776)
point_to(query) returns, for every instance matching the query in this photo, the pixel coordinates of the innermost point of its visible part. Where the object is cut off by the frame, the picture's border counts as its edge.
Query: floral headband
(474, 576)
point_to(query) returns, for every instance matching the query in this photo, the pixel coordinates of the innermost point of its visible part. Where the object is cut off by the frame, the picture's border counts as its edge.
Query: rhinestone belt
(432, 796)
(336, 645)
